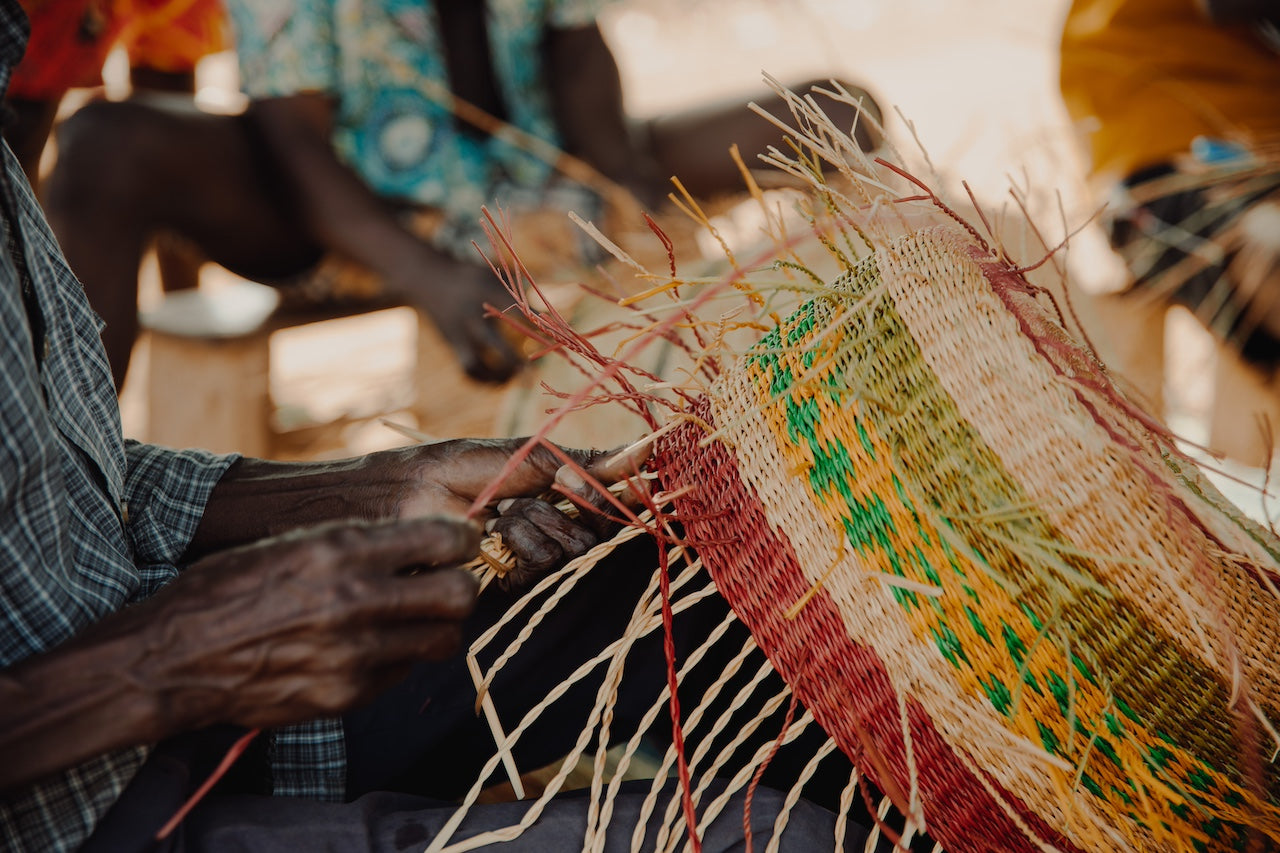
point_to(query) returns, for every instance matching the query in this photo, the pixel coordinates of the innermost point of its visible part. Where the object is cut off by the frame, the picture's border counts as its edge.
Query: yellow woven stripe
(966, 721)
(1088, 489)
(975, 618)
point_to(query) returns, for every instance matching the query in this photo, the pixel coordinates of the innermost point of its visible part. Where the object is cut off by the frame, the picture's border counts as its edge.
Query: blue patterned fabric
(384, 63)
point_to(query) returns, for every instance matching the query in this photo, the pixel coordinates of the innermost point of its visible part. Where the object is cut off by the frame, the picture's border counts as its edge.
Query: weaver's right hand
(305, 625)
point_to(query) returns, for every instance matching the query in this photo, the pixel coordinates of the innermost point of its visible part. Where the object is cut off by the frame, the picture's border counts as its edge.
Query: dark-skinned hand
(259, 498)
(307, 624)
(446, 477)
(455, 300)
(302, 625)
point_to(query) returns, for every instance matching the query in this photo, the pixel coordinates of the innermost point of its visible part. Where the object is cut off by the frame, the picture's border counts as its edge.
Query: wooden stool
(210, 365)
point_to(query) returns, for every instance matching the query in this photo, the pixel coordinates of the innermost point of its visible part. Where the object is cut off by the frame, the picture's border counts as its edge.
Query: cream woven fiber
(1121, 506)
(1036, 597)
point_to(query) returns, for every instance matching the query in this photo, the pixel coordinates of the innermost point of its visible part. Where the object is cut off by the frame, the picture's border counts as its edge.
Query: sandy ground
(973, 84)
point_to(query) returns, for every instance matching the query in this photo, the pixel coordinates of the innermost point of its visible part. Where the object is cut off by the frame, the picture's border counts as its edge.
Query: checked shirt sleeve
(165, 494)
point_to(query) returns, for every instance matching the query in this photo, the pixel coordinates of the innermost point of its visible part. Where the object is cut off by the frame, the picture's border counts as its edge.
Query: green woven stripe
(941, 457)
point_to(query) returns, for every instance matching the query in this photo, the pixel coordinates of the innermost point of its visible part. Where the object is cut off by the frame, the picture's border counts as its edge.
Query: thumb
(542, 466)
(606, 467)
(588, 486)
(537, 471)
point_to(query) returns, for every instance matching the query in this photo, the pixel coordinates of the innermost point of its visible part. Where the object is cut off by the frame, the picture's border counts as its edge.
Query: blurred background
(975, 81)
(971, 85)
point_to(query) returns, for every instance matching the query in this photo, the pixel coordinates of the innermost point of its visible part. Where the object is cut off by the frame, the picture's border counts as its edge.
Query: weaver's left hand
(446, 477)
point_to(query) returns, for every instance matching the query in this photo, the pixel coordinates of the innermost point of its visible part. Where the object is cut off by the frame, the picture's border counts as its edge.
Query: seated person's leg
(400, 822)
(127, 170)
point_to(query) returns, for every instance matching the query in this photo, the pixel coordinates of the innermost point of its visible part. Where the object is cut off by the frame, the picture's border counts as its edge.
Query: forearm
(586, 91)
(347, 217)
(341, 210)
(62, 708)
(258, 498)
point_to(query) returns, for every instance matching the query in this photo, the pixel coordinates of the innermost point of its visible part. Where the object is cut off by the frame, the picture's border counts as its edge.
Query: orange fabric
(1143, 78)
(70, 40)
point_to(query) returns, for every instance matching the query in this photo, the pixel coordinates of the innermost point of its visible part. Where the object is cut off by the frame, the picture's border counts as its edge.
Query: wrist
(60, 708)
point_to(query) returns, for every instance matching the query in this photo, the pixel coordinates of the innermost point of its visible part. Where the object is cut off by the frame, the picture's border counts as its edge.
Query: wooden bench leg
(210, 393)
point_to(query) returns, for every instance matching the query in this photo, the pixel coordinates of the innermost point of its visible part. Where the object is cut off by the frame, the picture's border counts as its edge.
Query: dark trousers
(422, 744)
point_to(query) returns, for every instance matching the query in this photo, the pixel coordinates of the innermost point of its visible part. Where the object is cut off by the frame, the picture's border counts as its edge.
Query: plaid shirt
(88, 523)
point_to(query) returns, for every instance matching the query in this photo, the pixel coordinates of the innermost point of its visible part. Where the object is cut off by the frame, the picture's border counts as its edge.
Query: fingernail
(569, 478)
(505, 504)
(490, 524)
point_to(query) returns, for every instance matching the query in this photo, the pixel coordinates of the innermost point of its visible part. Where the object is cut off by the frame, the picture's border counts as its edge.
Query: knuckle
(346, 536)
(540, 558)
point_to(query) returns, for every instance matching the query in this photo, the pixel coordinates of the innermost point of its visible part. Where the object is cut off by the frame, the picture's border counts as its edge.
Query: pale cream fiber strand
(596, 836)
(639, 626)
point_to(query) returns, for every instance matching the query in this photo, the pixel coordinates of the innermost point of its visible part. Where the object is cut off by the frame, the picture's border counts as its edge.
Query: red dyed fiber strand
(237, 749)
(677, 735)
(610, 369)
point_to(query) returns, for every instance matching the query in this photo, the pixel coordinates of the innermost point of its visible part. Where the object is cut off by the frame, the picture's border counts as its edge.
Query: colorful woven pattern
(977, 577)
(996, 584)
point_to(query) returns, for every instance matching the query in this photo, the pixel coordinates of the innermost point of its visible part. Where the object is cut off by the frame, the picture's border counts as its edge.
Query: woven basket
(994, 583)
(979, 573)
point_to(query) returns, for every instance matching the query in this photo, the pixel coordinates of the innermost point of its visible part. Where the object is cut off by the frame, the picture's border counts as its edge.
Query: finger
(476, 464)
(600, 509)
(604, 468)
(621, 463)
(533, 549)
(444, 595)
(596, 511)
(471, 467)
(392, 545)
(409, 643)
(572, 537)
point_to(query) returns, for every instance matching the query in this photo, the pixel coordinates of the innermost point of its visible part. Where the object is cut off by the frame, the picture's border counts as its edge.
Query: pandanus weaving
(992, 581)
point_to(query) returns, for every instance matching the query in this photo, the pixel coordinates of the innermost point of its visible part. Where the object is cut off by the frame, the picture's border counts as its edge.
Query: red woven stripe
(845, 685)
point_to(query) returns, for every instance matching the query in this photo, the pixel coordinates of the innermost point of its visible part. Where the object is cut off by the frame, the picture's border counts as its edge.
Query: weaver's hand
(446, 477)
(304, 625)
(455, 297)
(261, 498)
